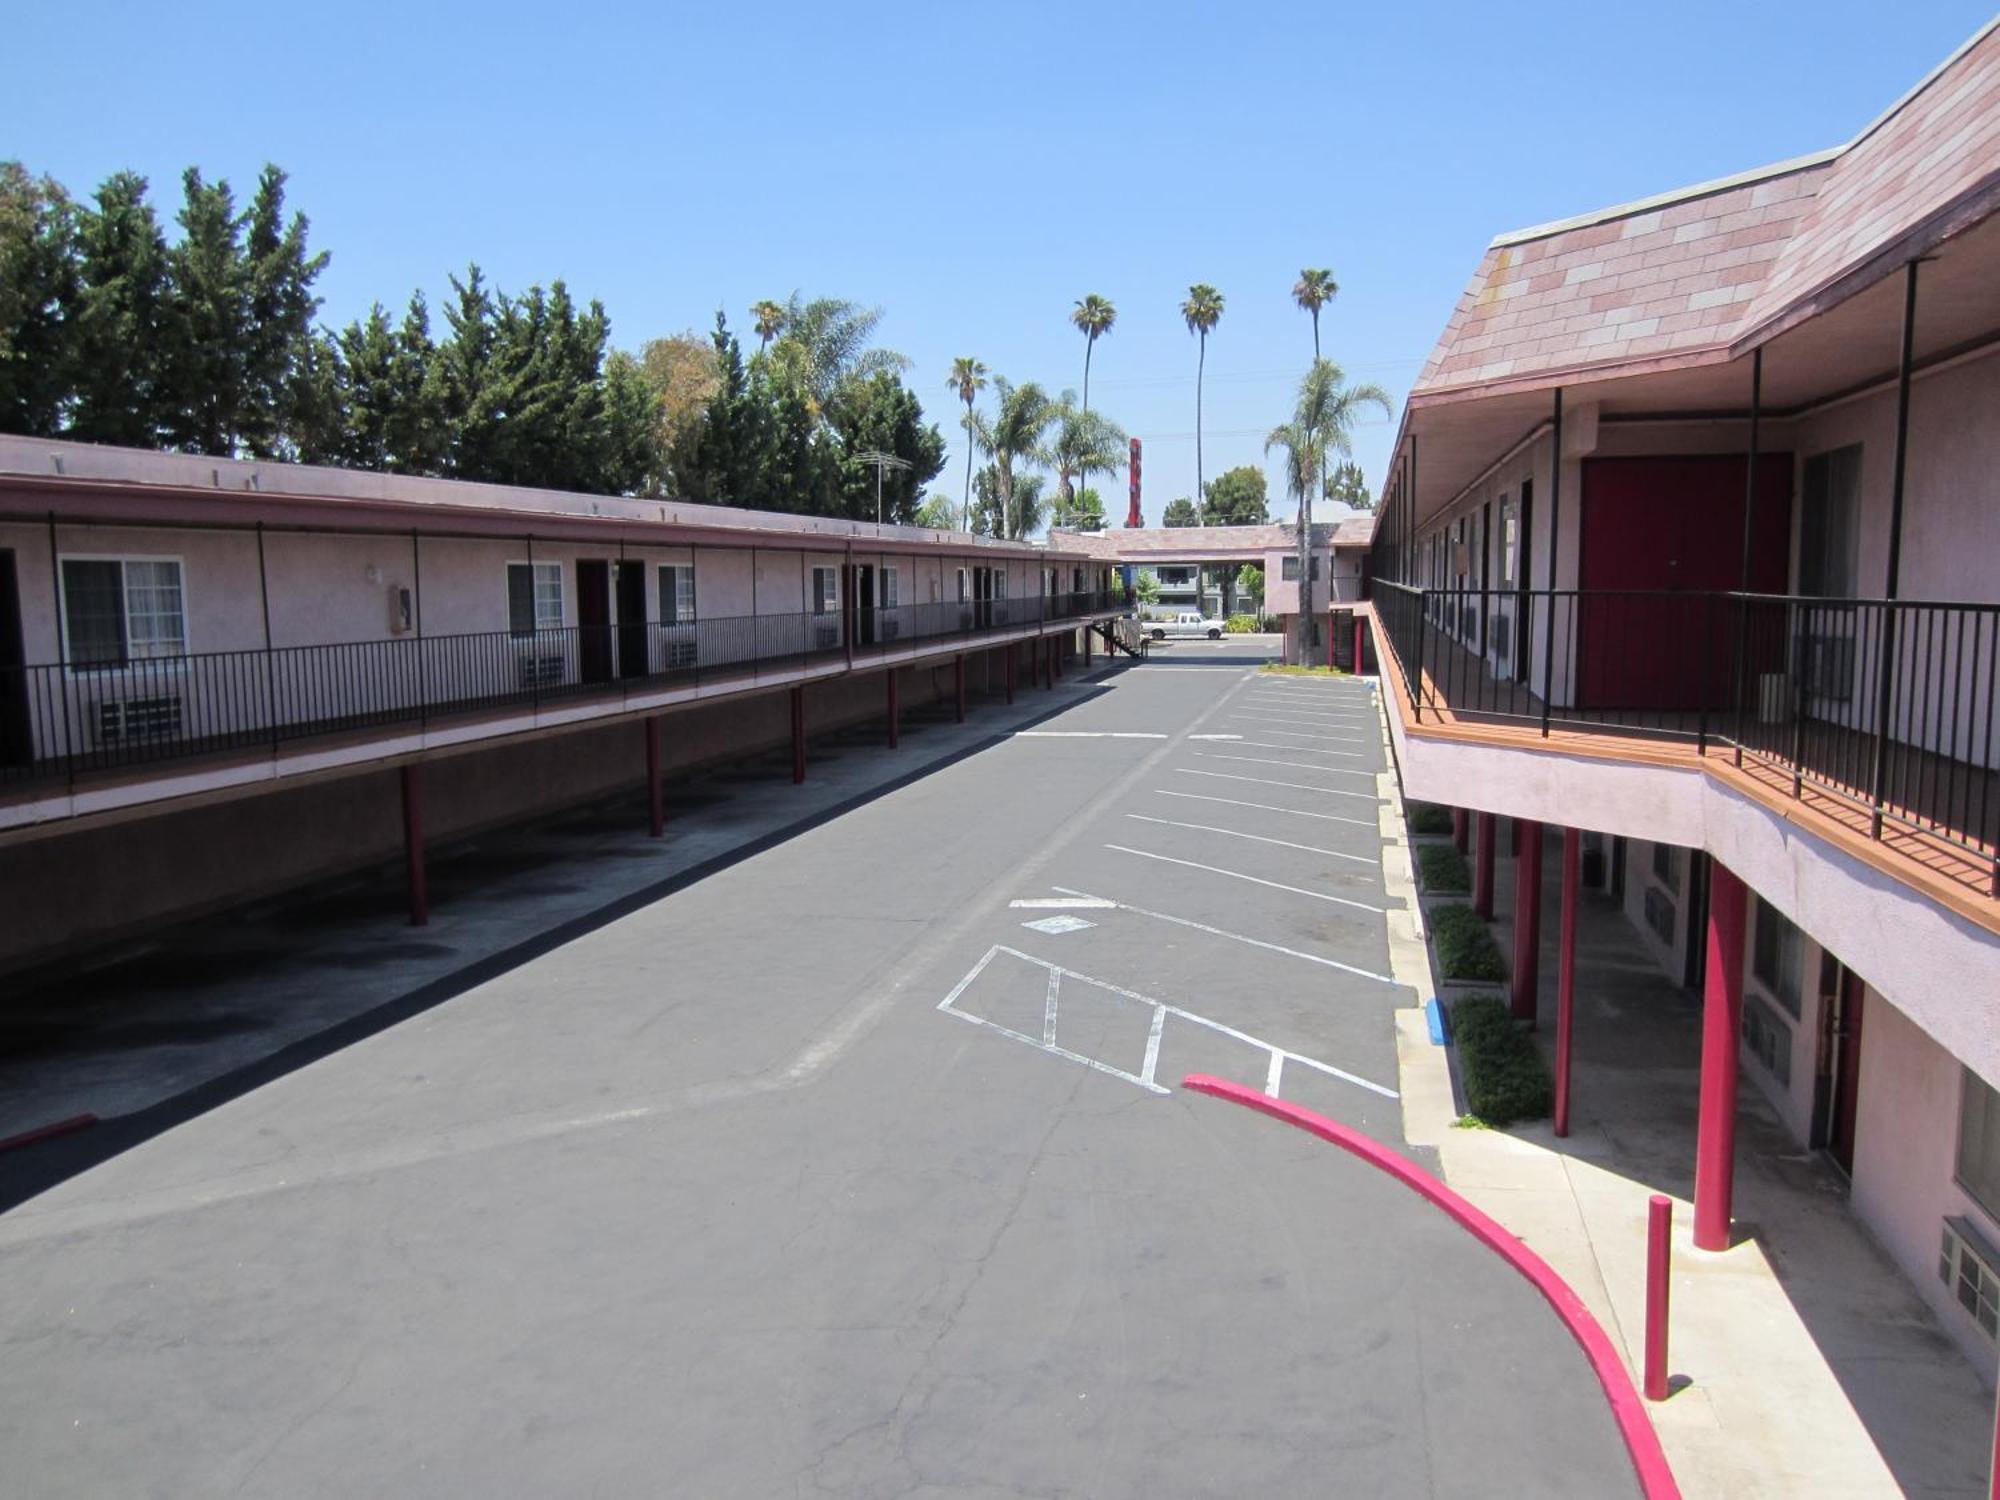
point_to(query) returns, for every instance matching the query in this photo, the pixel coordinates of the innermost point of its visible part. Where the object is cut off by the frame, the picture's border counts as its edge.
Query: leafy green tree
(770, 317)
(1180, 512)
(995, 515)
(1014, 435)
(968, 379)
(684, 376)
(731, 453)
(1250, 582)
(120, 300)
(939, 512)
(883, 414)
(1086, 512)
(1146, 587)
(37, 292)
(1201, 312)
(1237, 497)
(1348, 486)
(1094, 316)
(278, 277)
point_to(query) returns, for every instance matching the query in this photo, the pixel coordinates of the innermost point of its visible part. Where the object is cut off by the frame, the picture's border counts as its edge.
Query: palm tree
(968, 378)
(1322, 422)
(1094, 315)
(1085, 443)
(823, 349)
(770, 320)
(1013, 435)
(1202, 311)
(1312, 291)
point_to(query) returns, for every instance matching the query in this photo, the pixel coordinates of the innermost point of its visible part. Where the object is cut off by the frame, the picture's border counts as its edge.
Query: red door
(1654, 528)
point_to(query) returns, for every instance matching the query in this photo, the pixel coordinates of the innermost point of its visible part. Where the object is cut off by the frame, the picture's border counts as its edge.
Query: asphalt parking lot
(858, 1167)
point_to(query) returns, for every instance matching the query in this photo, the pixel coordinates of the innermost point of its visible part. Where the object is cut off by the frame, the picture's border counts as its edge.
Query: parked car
(1188, 622)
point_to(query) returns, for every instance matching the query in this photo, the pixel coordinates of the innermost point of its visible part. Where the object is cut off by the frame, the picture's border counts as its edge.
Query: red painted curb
(1656, 1479)
(43, 1132)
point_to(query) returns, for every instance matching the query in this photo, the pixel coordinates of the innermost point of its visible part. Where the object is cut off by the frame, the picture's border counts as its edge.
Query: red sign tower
(1132, 517)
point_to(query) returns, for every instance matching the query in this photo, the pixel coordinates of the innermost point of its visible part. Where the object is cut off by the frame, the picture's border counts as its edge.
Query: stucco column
(656, 807)
(798, 735)
(413, 844)
(1721, 1022)
(1482, 865)
(1461, 830)
(1572, 859)
(1013, 649)
(1527, 920)
(958, 683)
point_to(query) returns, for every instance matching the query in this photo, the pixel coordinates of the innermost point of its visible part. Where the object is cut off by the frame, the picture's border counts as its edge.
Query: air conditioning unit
(541, 671)
(826, 635)
(891, 628)
(680, 655)
(1969, 1267)
(123, 720)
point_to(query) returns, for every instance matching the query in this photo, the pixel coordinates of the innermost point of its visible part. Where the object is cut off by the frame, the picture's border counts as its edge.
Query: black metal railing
(70, 720)
(1887, 706)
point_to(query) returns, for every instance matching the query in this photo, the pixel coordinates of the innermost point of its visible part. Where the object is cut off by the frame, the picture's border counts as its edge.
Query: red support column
(1461, 830)
(1482, 866)
(1527, 920)
(1721, 1022)
(413, 844)
(895, 711)
(1055, 655)
(1659, 1262)
(1048, 648)
(1012, 649)
(958, 683)
(1572, 860)
(1360, 644)
(1086, 648)
(656, 807)
(798, 735)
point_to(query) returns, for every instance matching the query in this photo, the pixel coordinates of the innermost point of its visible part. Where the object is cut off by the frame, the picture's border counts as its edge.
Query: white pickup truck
(1187, 622)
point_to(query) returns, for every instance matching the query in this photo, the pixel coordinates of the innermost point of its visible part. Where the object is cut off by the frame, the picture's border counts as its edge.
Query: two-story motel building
(220, 678)
(1691, 551)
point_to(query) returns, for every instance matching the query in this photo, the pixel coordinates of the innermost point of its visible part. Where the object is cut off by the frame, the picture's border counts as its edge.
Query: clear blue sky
(973, 170)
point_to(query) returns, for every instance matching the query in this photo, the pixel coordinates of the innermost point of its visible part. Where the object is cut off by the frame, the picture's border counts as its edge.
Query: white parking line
(1305, 715)
(1292, 812)
(1061, 903)
(1275, 885)
(1084, 734)
(1274, 1069)
(1258, 838)
(1295, 749)
(1280, 726)
(1297, 786)
(1237, 937)
(1290, 765)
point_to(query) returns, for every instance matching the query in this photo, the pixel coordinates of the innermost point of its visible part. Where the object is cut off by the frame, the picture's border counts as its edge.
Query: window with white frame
(1978, 1165)
(534, 597)
(999, 583)
(1777, 955)
(122, 609)
(825, 591)
(891, 595)
(677, 594)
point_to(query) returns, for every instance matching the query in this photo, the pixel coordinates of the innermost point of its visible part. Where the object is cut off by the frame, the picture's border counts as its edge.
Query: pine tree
(203, 378)
(120, 318)
(38, 292)
(276, 278)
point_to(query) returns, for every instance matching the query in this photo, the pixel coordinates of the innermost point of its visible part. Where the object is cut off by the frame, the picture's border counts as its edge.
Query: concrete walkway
(1804, 1364)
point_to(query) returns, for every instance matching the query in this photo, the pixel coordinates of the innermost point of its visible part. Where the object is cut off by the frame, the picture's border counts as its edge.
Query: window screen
(1979, 1143)
(94, 609)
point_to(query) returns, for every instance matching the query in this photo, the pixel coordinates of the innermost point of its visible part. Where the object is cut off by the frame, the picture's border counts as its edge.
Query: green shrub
(1241, 625)
(1465, 949)
(1502, 1069)
(1428, 817)
(1444, 869)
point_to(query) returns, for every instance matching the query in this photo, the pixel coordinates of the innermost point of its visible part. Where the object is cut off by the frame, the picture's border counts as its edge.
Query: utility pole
(878, 460)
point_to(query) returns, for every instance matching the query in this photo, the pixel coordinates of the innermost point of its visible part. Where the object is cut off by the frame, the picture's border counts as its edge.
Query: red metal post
(895, 711)
(1482, 866)
(656, 807)
(1013, 649)
(1461, 830)
(1086, 648)
(958, 683)
(413, 844)
(1572, 861)
(1527, 919)
(1721, 1021)
(798, 735)
(1048, 650)
(1659, 1262)
(1360, 643)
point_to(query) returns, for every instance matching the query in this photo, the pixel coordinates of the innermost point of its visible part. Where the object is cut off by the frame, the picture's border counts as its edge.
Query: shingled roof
(1692, 275)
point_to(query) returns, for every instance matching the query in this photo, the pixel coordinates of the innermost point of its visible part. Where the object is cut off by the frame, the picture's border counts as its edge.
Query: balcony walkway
(1462, 699)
